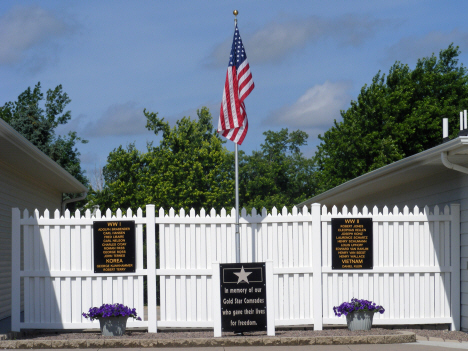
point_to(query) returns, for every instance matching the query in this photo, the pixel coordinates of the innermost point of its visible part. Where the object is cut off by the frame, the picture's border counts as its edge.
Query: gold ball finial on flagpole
(235, 12)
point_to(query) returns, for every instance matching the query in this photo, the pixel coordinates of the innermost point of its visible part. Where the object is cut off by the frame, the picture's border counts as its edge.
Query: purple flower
(108, 310)
(357, 305)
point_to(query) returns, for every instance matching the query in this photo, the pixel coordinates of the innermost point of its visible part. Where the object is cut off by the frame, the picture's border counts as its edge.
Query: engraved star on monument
(243, 276)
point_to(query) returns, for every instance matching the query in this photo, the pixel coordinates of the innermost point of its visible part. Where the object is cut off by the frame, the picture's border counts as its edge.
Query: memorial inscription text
(114, 246)
(243, 297)
(352, 243)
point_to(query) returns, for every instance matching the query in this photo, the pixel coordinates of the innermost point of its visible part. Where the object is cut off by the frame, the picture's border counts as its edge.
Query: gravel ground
(444, 334)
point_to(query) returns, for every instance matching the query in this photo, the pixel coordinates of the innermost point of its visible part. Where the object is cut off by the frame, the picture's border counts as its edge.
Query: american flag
(239, 83)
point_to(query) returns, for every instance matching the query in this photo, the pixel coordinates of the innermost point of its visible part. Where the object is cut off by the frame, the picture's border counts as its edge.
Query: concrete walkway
(418, 346)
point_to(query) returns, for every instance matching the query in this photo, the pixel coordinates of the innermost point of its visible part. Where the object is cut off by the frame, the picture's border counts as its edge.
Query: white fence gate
(416, 274)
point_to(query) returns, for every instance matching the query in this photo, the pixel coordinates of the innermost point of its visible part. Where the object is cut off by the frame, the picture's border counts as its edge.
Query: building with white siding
(438, 176)
(29, 179)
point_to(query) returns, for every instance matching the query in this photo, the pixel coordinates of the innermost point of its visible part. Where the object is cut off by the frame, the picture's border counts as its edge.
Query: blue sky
(308, 59)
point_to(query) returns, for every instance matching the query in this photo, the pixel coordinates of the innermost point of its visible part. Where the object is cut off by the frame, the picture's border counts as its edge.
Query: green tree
(192, 169)
(396, 116)
(278, 175)
(189, 169)
(37, 122)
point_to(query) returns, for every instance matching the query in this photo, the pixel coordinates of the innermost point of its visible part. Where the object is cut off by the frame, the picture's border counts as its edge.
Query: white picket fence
(190, 244)
(55, 269)
(416, 274)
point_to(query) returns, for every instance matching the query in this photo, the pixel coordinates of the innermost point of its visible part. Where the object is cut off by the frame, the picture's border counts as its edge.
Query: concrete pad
(400, 338)
(455, 341)
(8, 344)
(341, 340)
(60, 344)
(174, 343)
(291, 348)
(376, 339)
(215, 342)
(271, 341)
(433, 346)
(78, 344)
(305, 341)
(42, 344)
(358, 339)
(24, 344)
(324, 340)
(436, 339)
(205, 342)
(122, 343)
(289, 341)
(95, 343)
(146, 343)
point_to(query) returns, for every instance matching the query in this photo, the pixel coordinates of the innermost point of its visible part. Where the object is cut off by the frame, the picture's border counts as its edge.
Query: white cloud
(24, 28)
(118, 120)
(410, 49)
(278, 39)
(316, 109)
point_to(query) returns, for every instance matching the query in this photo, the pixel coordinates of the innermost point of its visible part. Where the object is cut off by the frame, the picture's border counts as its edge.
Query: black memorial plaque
(243, 297)
(352, 243)
(114, 246)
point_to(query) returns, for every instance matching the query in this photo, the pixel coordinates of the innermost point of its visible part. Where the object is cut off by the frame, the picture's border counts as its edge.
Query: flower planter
(113, 326)
(359, 313)
(360, 320)
(112, 318)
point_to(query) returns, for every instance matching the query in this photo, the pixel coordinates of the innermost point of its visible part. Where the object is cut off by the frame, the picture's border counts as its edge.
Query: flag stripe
(246, 89)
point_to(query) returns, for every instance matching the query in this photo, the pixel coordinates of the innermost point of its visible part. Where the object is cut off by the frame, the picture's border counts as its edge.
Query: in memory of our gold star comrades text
(243, 297)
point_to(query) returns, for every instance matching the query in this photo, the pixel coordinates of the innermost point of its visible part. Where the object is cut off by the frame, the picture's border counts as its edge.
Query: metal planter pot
(359, 320)
(113, 326)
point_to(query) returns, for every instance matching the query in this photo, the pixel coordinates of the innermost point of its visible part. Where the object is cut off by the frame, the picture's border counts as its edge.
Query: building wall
(22, 191)
(444, 188)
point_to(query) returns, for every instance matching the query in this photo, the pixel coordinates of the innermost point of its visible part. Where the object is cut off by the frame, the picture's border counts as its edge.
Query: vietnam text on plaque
(114, 246)
(243, 297)
(352, 243)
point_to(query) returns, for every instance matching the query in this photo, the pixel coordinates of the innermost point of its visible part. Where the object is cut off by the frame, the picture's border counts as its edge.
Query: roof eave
(31, 153)
(421, 157)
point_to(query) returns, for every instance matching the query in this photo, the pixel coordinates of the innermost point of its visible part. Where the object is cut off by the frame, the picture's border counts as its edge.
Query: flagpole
(237, 210)
(235, 12)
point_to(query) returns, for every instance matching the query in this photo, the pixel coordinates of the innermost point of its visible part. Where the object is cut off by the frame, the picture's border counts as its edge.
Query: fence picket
(58, 294)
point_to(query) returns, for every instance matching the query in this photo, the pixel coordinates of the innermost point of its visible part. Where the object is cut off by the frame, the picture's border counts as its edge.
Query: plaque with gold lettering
(114, 246)
(352, 246)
